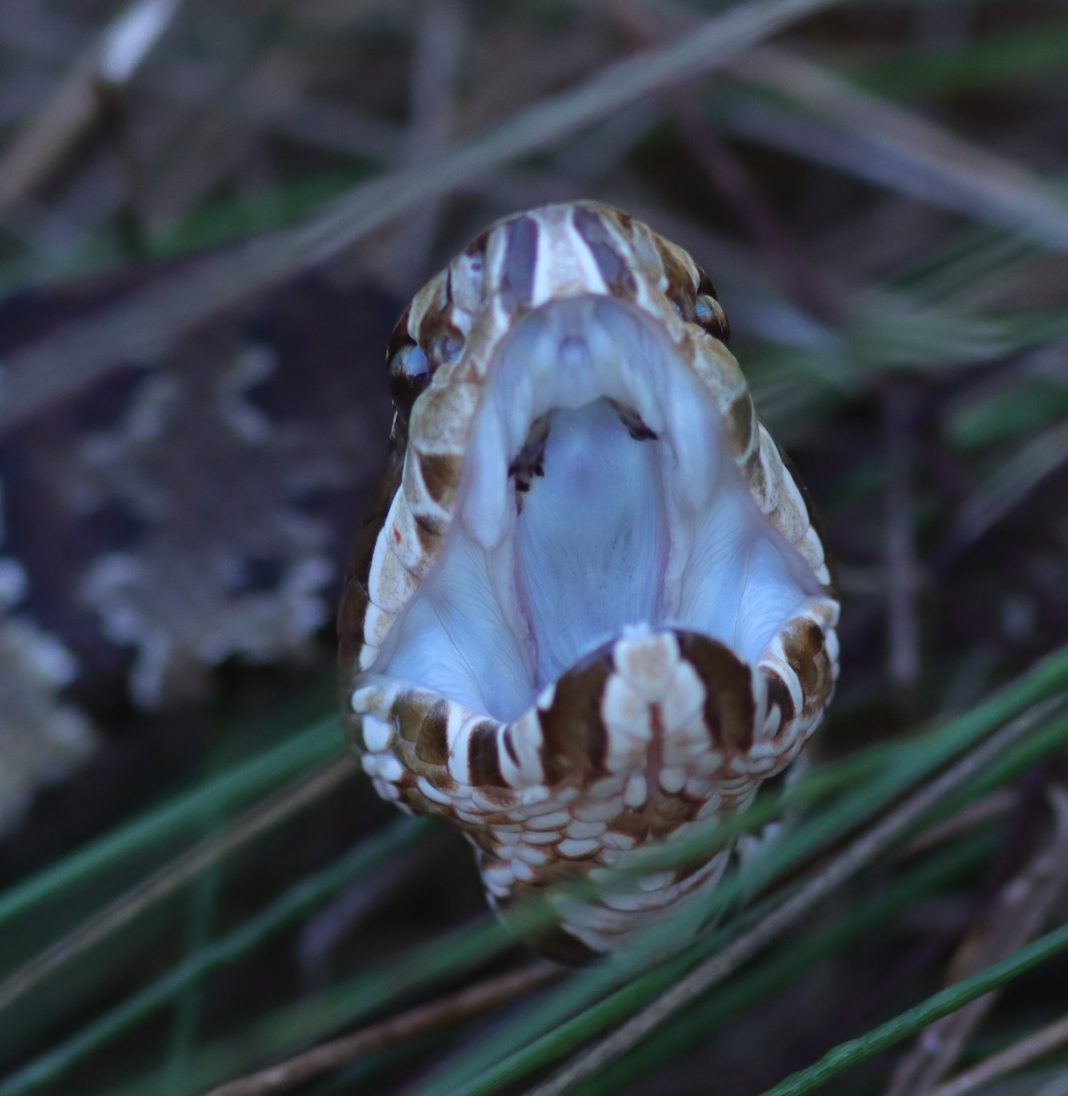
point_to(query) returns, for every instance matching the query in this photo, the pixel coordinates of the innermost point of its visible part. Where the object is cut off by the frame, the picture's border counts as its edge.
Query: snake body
(591, 606)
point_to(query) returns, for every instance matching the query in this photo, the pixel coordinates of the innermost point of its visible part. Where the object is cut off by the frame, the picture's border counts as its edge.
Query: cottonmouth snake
(591, 605)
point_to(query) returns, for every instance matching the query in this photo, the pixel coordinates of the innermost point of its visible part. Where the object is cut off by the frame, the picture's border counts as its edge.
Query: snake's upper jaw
(600, 493)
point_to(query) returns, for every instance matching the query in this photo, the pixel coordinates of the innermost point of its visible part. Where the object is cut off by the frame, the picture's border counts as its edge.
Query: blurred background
(211, 216)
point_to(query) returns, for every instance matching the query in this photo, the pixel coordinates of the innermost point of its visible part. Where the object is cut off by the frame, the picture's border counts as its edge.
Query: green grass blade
(787, 966)
(227, 949)
(916, 759)
(914, 1020)
(240, 783)
(729, 1000)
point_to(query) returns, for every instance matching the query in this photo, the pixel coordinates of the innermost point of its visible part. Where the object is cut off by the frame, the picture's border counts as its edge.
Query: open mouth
(599, 496)
(593, 608)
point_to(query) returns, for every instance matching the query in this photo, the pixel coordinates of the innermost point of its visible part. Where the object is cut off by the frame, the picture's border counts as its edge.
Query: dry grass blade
(995, 805)
(439, 49)
(902, 567)
(861, 851)
(180, 871)
(111, 60)
(726, 172)
(1018, 914)
(146, 322)
(1019, 1054)
(951, 170)
(333, 1055)
(1010, 484)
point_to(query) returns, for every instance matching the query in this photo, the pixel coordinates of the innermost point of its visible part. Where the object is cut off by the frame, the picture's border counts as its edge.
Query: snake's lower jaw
(655, 730)
(596, 610)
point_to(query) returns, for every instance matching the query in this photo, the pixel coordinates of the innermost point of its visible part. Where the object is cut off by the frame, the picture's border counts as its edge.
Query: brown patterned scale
(591, 606)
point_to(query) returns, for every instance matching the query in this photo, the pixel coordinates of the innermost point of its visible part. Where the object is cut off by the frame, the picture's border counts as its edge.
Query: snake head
(592, 607)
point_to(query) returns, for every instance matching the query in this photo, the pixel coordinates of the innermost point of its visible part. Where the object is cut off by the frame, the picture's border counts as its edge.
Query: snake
(590, 606)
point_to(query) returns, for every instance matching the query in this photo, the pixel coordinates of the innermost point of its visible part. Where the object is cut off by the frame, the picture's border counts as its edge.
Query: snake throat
(592, 607)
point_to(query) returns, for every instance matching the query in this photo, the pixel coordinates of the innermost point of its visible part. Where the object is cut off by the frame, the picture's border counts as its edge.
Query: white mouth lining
(513, 601)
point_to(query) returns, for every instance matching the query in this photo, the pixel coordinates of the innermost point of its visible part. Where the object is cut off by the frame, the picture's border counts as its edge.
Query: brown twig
(998, 1065)
(438, 51)
(728, 174)
(900, 550)
(175, 874)
(1018, 914)
(398, 1029)
(995, 805)
(860, 852)
(110, 60)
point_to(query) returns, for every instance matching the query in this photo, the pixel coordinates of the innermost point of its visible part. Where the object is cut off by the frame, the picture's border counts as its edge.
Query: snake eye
(709, 314)
(409, 374)
(707, 311)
